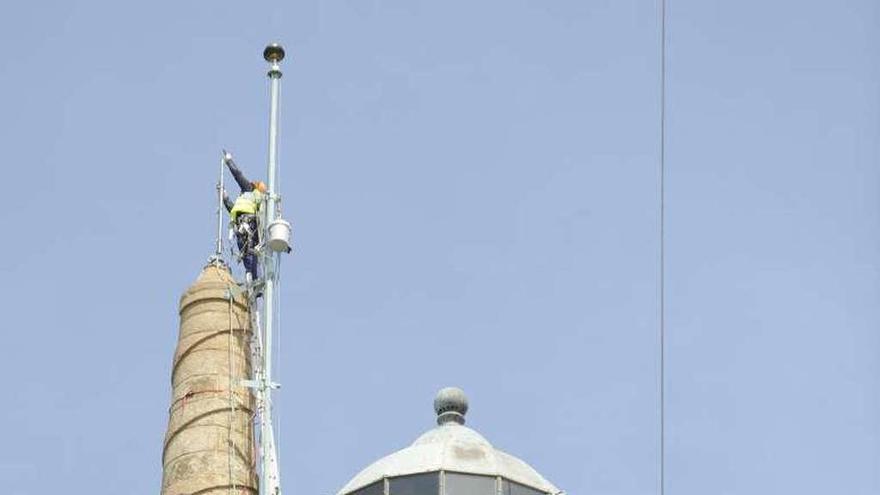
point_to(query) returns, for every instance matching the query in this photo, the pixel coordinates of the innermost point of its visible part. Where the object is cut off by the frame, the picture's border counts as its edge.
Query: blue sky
(474, 193)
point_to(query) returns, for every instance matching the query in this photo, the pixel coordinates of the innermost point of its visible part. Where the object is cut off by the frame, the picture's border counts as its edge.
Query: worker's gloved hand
(225, 195)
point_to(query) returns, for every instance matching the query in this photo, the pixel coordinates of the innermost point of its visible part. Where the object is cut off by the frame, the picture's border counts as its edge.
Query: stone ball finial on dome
(451, 405)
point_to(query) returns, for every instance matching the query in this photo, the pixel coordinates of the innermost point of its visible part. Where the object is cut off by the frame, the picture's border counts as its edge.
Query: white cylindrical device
(279, 236)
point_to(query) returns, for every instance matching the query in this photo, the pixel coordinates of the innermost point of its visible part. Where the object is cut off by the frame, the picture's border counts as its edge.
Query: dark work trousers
(247, 241)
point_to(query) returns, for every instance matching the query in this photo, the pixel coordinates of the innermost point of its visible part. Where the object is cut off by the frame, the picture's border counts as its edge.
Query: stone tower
(209, 444)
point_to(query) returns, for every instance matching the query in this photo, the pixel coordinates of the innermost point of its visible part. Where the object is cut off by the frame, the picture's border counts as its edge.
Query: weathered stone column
(209, 445)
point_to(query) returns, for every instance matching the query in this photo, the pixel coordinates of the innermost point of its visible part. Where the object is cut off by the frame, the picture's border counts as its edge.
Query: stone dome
(454, 448)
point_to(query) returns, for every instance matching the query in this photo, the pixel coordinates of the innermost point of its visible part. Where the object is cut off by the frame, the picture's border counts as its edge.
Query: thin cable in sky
(662, 247)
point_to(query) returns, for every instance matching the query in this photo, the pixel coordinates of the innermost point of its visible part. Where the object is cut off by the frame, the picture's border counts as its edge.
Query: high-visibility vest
(248, 202)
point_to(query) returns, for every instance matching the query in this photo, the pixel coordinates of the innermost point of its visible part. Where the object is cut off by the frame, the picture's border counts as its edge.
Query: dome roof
(451, 446)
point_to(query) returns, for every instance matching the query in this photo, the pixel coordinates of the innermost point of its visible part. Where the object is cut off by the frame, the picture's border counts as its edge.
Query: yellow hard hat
(259, 186)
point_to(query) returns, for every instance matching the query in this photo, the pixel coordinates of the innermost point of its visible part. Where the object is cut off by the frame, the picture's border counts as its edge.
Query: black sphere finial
(273, 53)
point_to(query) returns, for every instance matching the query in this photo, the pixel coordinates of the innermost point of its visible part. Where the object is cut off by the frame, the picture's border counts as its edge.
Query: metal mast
(217, 257)
(275, 235)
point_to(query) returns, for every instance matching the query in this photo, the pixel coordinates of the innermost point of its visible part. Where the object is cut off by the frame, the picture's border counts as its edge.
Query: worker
(243, 213)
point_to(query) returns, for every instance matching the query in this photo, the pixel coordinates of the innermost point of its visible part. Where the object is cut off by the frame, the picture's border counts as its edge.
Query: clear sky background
(474, 192)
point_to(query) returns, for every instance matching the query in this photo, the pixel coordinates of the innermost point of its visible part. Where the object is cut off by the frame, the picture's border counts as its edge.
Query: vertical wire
(662, 247)
(277, 415)
(230, 447)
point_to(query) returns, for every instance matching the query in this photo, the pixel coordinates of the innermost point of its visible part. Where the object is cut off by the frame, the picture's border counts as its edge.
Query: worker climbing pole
(244, 218)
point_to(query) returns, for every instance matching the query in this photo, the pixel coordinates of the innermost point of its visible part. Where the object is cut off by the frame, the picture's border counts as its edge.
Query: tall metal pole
(270, 483)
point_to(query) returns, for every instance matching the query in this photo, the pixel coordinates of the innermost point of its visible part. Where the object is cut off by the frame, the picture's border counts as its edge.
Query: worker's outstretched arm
(242, 181)
(227, 202)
